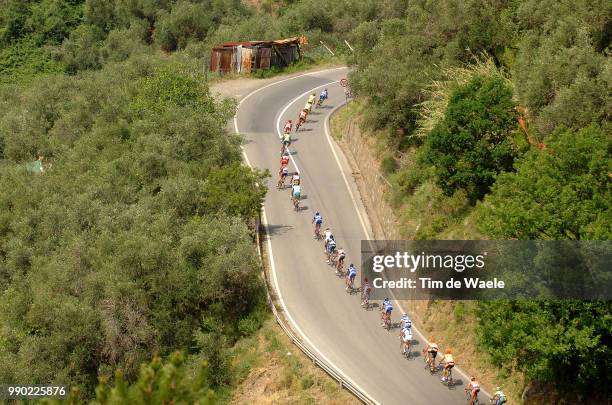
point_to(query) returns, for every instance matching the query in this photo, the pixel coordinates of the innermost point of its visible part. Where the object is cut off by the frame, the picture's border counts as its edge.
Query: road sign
(343, 82)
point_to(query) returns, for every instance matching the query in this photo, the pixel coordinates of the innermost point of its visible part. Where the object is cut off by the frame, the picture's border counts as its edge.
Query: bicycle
(332, 257)
(387, 322)
(430, 362)
(281, 183)
(449, 382)
(339, 264)
(365, 299)
(406, 348)
(350, 285)
(299, 124)
(317, 232)
(468, 397)
(296, 204)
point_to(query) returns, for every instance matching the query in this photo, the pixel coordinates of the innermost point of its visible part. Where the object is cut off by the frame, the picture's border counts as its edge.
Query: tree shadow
(278, 229)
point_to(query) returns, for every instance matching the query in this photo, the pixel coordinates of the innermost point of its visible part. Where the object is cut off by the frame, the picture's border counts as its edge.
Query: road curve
(329, 320)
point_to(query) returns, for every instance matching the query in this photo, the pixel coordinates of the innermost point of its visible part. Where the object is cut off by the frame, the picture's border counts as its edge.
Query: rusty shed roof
(286, 41)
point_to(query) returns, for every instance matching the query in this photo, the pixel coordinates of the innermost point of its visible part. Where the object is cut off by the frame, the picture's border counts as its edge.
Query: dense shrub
(137, 232)
(562, 192)
(471, 145)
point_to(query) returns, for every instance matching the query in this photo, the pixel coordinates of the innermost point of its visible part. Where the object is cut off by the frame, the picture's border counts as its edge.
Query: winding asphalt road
(331, 322)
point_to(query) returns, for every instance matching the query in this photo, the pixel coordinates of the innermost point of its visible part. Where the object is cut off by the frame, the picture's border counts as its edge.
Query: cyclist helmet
(326, 89)
(317, 213)
(365, 279)
(289, 121)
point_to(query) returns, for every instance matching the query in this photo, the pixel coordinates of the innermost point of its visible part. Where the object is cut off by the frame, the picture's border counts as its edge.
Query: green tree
(472, 144)
(562, 192)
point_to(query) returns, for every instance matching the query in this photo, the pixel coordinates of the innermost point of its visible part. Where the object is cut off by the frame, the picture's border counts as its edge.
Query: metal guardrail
(331, 371)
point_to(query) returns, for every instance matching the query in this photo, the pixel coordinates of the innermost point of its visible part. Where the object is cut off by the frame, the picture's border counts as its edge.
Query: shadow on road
(275, 230)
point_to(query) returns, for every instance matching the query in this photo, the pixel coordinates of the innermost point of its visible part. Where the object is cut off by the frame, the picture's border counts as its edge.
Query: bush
(559, 193)
(472, 144)
(184, 22)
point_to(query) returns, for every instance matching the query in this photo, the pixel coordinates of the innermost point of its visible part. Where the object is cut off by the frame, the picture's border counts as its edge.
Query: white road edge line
(269, 242)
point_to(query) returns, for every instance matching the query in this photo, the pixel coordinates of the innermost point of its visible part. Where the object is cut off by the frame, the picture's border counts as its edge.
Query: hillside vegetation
(494, 122)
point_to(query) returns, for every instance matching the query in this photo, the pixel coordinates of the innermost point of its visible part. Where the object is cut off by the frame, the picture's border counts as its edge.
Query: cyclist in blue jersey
(383, 306)
(322, 97)
(317, 220)
(405, 321)
(351, 273)
(387, 315)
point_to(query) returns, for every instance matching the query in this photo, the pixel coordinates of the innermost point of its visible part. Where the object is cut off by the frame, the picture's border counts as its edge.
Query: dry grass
(438, 93)
(279, 373)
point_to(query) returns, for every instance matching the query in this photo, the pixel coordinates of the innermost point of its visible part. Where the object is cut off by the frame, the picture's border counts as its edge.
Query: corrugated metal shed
(248, 56)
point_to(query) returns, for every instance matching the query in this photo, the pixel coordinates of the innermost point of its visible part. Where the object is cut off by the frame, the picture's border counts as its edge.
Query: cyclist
(341, 256)
(322, 97)
(431, 352)
(365, 292)
(448, 362)
(295, 194)
(317, 220)
(383, 306)
(284, 160)
(474, 387)
(282, 174)
(301, 119)
(331, 247)
(310, 102)
(405, 339)
(288, 126)
(499, 396)
(285, 141)
(350, 277)
(295, 179)
(328, 235)
(405, 321)
(387, 314)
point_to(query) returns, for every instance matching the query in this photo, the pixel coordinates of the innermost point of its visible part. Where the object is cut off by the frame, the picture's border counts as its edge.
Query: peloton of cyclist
(449, 362)
(474, 387)
(431, 352)
(317, 220)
